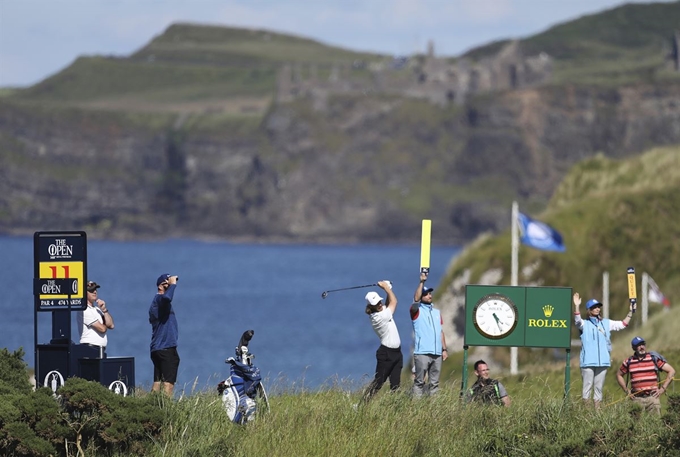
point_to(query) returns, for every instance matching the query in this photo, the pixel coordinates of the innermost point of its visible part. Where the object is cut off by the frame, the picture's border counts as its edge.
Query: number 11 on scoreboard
(425, 246)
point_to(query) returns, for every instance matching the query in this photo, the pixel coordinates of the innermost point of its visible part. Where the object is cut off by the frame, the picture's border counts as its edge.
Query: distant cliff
(249, 134)
(363, 168)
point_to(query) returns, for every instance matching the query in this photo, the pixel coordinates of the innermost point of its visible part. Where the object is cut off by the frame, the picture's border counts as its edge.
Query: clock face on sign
(495, 316)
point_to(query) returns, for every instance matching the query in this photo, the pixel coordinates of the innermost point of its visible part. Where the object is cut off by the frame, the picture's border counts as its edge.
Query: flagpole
(513, 273)
(645, 297)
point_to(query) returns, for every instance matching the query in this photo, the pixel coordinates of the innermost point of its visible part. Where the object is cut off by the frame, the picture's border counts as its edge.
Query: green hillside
(205, 65)
(191, 63)
(190, 43)
(612, 215)
(630, 27)
(99, 77)
(619, 46)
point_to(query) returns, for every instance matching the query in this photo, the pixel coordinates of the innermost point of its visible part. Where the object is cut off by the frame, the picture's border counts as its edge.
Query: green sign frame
(518, 316)
(542, 316)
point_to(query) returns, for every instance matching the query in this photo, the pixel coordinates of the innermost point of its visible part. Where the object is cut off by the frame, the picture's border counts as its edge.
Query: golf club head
(324, 294)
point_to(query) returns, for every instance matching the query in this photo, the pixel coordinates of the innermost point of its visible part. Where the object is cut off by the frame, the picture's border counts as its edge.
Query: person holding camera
(486, 390)
(164, 335)
(94, 321)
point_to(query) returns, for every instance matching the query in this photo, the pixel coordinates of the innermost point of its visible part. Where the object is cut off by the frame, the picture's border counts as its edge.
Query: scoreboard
(60, 270)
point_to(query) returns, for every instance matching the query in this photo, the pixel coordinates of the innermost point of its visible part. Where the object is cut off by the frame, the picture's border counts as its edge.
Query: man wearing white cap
(389, 358)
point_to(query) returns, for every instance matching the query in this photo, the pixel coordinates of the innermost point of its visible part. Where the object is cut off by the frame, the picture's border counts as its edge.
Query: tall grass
(540, 421)
(326, 423)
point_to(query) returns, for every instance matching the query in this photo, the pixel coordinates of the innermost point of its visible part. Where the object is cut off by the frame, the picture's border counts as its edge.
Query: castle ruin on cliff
(442, 81)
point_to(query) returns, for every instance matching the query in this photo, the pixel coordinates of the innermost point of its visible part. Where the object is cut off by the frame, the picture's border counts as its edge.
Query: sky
(41, 37)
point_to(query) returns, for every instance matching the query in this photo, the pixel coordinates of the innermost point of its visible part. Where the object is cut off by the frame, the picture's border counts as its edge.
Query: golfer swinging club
(389, 358)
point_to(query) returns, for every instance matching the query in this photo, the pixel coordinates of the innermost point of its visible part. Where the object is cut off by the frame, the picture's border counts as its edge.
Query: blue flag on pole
(539, 235)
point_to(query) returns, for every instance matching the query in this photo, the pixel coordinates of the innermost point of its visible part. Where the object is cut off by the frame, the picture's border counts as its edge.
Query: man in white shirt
(95, 320)
(389, 358)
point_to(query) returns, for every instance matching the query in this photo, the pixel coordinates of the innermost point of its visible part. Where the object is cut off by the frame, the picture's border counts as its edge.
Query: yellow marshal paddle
(425, 246)
(632, 293)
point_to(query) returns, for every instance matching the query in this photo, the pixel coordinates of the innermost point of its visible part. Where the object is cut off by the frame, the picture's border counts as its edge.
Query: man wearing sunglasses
(94, 321)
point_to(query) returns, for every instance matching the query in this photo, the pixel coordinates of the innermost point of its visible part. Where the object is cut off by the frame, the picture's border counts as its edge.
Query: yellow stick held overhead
(425, 246)
(632, 292)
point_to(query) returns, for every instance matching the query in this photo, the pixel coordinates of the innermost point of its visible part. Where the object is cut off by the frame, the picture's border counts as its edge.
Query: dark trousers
(389, 365)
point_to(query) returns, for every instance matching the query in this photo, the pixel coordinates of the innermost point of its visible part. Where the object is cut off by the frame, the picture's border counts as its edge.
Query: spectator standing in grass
(643, 368)
(164, 335)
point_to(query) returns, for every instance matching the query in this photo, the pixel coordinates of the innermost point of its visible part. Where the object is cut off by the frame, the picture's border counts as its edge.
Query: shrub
(102, 420)
(30, 424)
(85, 416)
(13, 372)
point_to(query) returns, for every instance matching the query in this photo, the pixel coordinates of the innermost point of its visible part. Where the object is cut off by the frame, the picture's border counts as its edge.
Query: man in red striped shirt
(643, 368)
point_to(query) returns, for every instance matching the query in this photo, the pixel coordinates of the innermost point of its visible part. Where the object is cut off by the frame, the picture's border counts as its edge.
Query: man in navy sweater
(164, 335)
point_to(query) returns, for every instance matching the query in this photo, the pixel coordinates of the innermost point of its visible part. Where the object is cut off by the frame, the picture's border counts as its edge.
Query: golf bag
(243, 392)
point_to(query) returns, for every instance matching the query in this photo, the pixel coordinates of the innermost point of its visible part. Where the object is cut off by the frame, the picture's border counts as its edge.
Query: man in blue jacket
(164, 335)
(430, 344)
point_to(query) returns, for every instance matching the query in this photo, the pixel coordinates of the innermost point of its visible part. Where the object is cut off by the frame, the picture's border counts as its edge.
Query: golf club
(325, 293)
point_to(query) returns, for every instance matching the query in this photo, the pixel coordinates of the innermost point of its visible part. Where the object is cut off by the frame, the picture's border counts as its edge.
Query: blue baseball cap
(162, 278)
(592, 303)
(635, 342)
(427, 290)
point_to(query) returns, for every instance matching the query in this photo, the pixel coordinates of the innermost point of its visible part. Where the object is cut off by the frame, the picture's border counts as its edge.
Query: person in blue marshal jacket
(430, 344)
(595, 345)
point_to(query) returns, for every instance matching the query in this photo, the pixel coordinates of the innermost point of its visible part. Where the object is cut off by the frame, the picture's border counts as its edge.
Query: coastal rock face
(59, 172)
(352, 168)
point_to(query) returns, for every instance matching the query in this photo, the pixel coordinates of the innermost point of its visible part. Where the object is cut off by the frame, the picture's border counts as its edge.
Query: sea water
(301, 340)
